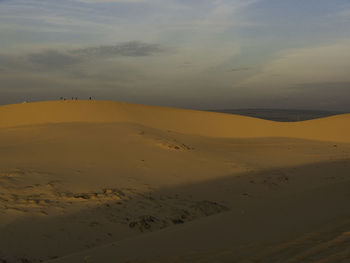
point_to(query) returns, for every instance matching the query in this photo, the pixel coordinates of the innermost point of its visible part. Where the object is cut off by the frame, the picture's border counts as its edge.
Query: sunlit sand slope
(336, 128)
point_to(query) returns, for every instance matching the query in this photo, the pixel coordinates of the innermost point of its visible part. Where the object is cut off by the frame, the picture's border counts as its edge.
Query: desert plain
(102, 181)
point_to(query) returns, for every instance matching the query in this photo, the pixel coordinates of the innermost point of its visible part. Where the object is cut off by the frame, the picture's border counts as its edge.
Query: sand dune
(94, 181)
(335, 128)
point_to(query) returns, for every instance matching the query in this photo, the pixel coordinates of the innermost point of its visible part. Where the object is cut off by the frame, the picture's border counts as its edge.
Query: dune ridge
(209, 124)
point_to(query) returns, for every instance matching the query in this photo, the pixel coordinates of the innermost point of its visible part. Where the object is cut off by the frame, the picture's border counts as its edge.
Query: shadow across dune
(258, 207)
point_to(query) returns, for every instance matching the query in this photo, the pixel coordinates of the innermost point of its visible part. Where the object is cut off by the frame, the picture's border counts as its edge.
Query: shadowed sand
(90, 181)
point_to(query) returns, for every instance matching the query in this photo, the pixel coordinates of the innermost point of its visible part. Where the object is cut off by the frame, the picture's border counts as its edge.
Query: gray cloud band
(130, 49)
(57, 59)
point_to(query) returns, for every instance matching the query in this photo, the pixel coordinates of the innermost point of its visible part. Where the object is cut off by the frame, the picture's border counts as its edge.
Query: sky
(198, 54)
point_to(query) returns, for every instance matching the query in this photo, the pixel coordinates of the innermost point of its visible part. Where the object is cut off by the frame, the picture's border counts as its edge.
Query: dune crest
(210, 124)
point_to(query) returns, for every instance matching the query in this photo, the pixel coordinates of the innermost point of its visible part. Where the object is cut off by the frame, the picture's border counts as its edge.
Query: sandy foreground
(95, 181)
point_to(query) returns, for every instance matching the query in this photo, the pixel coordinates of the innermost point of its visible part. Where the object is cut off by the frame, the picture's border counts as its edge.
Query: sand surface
(93, 181)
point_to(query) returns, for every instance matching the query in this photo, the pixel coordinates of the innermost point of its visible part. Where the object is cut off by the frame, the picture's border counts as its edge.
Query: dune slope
(93, 181)
(335, 128)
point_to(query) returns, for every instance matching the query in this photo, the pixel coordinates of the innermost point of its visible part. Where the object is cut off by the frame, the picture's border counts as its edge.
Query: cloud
(129, 49)
(222, 13)
(49, 60)
(240, 69)
(318, 64)
(52, 59)
(114, 1)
